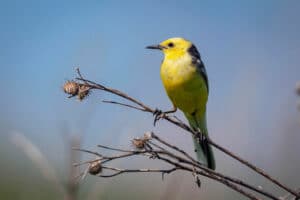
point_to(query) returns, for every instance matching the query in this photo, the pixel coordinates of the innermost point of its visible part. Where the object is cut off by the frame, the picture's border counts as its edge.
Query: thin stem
(143, 107)
(115, 149)
(123, 104)
(121, 171)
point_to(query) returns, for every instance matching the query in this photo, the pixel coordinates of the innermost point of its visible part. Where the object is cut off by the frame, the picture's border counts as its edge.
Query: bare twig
(237, 181)
(186, 163)
(123, 104)
(288, 196)
(112, 148)
(119, 171)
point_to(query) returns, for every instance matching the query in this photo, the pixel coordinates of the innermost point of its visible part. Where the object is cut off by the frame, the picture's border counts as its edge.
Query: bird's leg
(158, 114)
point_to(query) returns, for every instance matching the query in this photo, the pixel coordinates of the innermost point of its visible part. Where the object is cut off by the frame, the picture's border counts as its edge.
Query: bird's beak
(160, 47)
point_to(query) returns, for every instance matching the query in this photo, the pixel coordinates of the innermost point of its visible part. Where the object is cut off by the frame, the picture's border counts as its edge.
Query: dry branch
(157, 148)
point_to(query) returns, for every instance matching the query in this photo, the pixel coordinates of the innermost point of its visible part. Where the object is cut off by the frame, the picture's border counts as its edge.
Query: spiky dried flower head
(95, 167)
(139, 143)
(83, 92)
(71, 87)
(148, 135)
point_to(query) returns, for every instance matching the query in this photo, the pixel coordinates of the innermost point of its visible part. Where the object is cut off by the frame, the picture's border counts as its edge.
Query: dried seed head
(138, 143)
(71, 87)
(148, 135)
(95, 167)
(83, 92)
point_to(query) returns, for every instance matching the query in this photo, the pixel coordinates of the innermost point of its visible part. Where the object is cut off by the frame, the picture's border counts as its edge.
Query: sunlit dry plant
(95, 167)
(83, 92)
(71, 88)
(74, 88)
(154, 147)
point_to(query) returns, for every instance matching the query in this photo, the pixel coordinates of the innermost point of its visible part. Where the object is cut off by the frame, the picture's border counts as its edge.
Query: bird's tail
(203, 150)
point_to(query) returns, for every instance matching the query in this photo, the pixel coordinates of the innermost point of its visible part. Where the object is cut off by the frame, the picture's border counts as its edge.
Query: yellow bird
(185, 80)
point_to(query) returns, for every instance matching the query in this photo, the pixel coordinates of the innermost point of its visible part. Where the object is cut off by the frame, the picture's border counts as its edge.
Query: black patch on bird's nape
(194, 53)
(196, 60)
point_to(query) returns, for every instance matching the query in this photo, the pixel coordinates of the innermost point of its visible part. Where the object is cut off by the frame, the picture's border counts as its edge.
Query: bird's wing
(196, 60)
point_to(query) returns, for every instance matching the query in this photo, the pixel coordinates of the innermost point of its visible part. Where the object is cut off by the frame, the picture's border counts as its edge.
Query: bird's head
(173, 47)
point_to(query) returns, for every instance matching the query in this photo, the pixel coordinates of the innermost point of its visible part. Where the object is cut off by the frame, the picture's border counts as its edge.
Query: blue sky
(250, 48)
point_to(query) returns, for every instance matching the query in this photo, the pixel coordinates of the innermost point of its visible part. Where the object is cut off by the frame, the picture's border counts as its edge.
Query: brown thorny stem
(174, 120)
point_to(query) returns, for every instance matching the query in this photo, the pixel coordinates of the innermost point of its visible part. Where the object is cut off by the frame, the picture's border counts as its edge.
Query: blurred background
(251, 51)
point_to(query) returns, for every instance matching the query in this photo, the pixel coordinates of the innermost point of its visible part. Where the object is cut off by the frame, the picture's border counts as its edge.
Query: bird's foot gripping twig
(158, 114)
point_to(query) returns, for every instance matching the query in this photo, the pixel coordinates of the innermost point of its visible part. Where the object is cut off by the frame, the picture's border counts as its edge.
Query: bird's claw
(158, 114)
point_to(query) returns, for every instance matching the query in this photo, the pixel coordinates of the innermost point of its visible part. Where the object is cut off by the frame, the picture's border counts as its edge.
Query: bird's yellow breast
(184, 84)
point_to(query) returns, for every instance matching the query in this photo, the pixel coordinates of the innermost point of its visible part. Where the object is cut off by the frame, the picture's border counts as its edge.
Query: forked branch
(157, 148)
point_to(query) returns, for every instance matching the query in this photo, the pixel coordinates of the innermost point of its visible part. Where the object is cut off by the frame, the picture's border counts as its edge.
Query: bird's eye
(171, 44)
